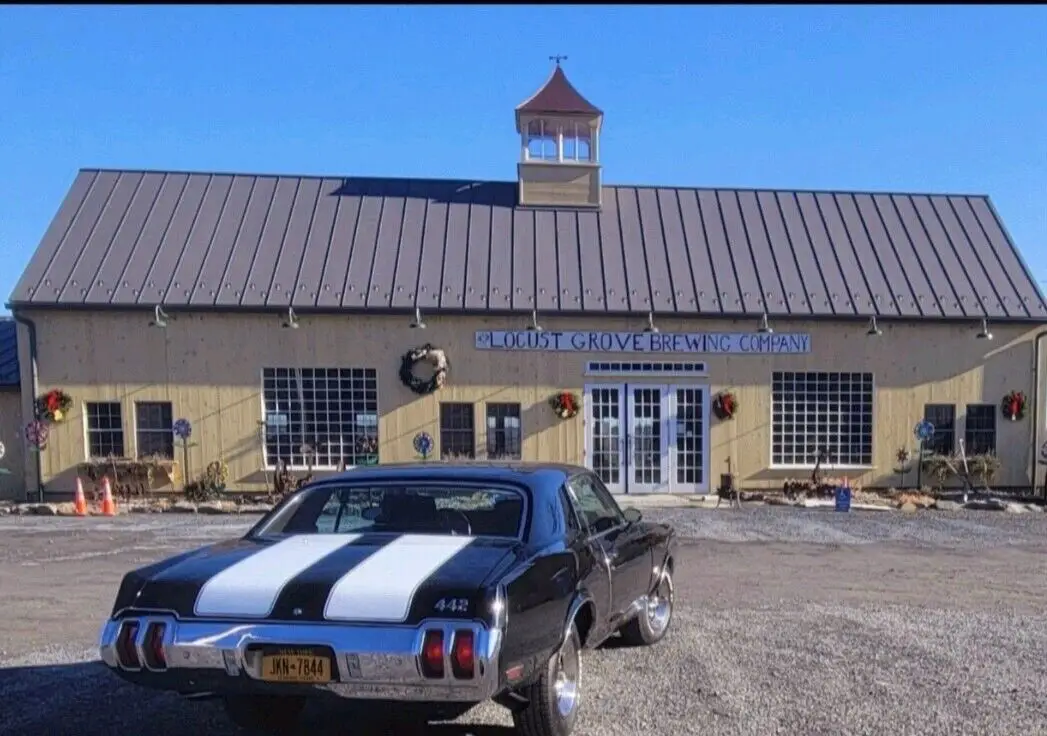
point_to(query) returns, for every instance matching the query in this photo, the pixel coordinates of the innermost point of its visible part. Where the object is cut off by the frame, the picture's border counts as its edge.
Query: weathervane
(557, 59)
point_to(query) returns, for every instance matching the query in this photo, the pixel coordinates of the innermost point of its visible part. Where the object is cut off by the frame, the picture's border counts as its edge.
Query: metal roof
(9, 375)
(558, 95)
(201, 240)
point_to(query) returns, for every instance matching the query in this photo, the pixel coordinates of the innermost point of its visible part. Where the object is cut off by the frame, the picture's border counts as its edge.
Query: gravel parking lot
(789, 621)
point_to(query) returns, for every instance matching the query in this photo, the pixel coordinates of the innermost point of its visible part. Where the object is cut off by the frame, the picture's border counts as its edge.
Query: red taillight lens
(463, 655)
(433, 654)
(154, 648)
(126, 653)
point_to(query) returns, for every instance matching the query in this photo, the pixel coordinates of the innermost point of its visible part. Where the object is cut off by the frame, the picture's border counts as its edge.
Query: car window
(570, 518)
(415, 508)
(597, 512)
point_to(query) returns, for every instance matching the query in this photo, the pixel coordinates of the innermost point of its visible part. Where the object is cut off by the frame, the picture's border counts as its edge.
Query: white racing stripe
(250, 587)
(382, 587)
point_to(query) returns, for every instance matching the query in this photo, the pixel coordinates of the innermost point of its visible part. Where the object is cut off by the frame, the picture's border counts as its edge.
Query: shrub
(210, 485)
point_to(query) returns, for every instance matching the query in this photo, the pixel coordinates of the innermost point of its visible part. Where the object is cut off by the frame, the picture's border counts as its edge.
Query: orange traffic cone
(108, 506)
(79, 502)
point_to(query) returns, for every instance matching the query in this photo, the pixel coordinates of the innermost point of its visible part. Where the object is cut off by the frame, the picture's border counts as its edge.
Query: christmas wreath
(1013, 405)
(54, 405)
(425, 354)
(565, 404)
(725, 405)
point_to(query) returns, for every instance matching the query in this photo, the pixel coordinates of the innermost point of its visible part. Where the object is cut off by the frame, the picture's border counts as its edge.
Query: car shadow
(86, 699)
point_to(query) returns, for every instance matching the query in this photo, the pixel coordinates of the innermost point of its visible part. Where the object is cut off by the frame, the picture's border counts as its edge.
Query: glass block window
(813, 411)
(325, 418)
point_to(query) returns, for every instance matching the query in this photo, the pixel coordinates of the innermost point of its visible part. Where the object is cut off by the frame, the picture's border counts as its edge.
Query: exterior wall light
(874, 329)
(534, 326)
(159, 317)
(764, 327)
(417, 323)
(650, 323)
(292, 320)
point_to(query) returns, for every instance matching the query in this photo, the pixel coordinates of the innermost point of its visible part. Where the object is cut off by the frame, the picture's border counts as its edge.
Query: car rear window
(417, 509)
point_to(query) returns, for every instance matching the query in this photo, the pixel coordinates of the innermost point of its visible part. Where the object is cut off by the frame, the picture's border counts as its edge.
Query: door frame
(706, 484)
(668, 432)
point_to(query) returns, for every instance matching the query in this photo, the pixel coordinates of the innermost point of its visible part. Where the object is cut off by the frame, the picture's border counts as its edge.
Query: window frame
(951, 431)
(332, 419)
(88, 431)
(833, 463)
(167, 432)
(503, 431)
(471, 430)
(990, 410)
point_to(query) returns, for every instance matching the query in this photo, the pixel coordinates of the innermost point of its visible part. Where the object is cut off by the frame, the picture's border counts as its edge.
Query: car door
(625, 558)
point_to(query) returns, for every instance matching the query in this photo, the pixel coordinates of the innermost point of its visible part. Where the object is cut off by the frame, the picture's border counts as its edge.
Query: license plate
(296, 666)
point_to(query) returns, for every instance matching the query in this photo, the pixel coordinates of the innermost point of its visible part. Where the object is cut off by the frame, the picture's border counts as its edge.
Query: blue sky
(919, 98)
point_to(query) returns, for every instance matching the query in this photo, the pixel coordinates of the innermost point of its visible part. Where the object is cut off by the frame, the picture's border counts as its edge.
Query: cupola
(559, 146)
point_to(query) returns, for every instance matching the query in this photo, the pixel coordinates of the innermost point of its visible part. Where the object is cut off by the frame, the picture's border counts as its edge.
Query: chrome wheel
(568, 670)
(660, 606)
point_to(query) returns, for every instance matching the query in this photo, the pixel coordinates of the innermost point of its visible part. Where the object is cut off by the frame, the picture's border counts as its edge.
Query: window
(943, 417)
(105, 429)
(326, 418)
(979, 436)
(541, 141)
(503, 432)
(594, 504)
(154, 424)
(814, 412)
(576, 142)
(457, 431)
(415, 508)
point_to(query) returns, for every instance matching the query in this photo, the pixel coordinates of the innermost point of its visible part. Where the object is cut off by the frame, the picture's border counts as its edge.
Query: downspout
(1037, 351)
(31, 327)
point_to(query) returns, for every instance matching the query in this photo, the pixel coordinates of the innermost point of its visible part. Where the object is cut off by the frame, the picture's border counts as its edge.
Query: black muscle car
(431, 586)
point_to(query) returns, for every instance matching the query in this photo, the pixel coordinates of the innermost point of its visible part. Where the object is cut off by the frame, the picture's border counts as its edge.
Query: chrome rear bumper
(371, 662)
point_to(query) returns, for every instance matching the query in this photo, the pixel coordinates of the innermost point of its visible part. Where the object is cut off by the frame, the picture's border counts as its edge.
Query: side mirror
(371, 513)
(633, 516)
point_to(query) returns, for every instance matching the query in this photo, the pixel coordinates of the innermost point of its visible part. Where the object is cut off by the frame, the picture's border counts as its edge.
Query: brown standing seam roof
(126, 238)
(558, 95)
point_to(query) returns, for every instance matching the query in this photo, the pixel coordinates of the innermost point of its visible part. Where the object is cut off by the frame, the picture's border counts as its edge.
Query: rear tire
(653, 621)
(553, 698)
(268, 714)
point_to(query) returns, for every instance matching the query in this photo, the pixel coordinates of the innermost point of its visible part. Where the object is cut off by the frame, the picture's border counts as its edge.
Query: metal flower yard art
(36, 433)
(183, 430)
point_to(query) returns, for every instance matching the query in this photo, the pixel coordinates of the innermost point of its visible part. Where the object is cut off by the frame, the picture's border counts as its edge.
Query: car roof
(535, 475)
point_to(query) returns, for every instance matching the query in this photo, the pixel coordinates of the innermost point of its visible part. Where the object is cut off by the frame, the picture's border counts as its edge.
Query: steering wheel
(455, 520)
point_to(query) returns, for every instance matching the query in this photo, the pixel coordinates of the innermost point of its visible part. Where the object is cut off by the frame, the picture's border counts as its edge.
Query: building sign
(730, 343)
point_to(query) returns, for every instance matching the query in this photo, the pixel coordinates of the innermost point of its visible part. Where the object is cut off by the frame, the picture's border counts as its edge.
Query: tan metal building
(274, 312)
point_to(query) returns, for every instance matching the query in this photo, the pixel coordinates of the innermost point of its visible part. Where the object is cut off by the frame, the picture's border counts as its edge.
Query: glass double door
(643, 438)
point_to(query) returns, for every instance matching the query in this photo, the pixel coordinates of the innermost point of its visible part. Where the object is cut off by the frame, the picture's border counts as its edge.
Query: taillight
(126, 654)
(463, 655)
(433, 654)
(154, 647)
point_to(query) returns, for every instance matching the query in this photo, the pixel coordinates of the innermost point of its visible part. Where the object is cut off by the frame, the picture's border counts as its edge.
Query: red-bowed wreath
(54, 405)
(565, 404)
(725, 405)
(1013, 405)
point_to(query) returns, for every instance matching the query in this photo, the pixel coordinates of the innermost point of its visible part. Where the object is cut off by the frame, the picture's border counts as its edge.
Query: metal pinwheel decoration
(36, 433)
(183, 430)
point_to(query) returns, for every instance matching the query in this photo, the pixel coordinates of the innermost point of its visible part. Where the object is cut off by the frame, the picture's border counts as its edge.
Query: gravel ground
(788, 621)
